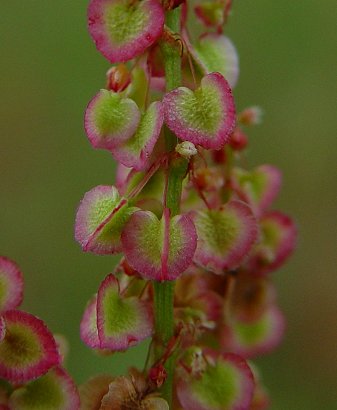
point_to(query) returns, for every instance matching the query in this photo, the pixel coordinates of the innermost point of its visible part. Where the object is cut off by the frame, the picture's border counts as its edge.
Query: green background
(49, 71)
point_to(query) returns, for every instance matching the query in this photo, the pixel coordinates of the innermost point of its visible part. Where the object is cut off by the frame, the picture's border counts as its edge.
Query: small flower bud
(251, 116)
(158, 375)
(238, 140)
(219, 156)
(186, 149)
(209, 179)
(118, 78)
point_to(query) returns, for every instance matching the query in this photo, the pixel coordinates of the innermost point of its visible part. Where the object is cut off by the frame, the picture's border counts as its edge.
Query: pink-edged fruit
(278, 240)
(88, 326)
(225, 236)
(114, 322)
(135, 152)
(216, 53)
(11, 284)
(159, 249)
(225, 383)
(122, 29)
(100, 219)
(53, 391)
(110, 119)
(28, 349)
(121, 321)
(259, 187)
(249, 339)
(205, 116)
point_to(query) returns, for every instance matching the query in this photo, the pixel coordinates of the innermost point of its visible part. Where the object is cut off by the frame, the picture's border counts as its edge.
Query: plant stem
(172, 63)
(164, 292)
(172, 59)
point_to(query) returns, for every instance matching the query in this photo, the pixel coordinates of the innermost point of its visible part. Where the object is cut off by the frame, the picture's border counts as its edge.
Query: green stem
(172, 59)
(164, 292)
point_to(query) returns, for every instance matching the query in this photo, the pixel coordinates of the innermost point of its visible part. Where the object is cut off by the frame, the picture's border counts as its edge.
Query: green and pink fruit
(216, 53)
(159, 249)
(250, 339)
(88, 326)
(53, 391)
(226, 383)
(110, 119)
(28, 349)
(135, 152)
(211, 13)
(278, 240)
(121, 321)
(258, 188)
(205, 116)
(100, 219)
(62, 346)
(122, 29)
(11, 284)
(225, 236)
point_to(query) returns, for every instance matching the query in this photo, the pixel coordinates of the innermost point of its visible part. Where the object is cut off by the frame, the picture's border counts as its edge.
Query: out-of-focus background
(50, 69)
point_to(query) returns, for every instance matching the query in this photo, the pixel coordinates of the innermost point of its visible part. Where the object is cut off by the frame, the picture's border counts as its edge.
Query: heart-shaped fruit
(225, 383)
(278, 240)
(225, 236)
(123, 29)
(136, 152)
(258, 187)
(100, 220)
(206, 116)
(11, 284)
(110, 119)
(88, 326)
(55, 390)
(121, 321)
(28, 349)
(252, 338)
(215, 52)
(159, 249)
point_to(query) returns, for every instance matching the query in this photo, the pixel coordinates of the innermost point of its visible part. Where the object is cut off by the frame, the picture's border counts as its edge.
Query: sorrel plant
(195, 230)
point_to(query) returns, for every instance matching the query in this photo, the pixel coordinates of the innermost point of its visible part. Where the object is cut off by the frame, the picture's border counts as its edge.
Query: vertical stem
(164, 292)
(172, 59)
(172, 63)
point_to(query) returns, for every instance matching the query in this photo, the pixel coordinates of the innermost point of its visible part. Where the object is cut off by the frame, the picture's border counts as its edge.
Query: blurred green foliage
(49, 71)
